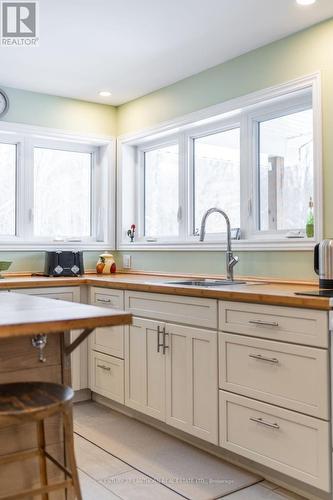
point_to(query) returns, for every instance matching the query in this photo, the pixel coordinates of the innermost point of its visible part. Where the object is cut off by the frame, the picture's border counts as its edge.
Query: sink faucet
(231, 261)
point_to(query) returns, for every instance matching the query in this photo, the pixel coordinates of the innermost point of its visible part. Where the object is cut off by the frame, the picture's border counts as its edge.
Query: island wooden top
(256, 291)
(22, 314)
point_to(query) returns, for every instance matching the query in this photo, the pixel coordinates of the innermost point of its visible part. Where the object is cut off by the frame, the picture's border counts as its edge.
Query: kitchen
(165, 253)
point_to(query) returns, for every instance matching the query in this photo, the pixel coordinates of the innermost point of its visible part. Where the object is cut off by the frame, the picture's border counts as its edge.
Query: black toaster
(64, 263)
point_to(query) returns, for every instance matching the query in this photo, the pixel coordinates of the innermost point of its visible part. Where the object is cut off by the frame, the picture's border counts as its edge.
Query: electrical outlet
(127, 261)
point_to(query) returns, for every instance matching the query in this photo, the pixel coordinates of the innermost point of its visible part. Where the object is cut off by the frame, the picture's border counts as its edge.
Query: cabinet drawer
(68, 293)
(109, 340)
(288, 442)
(287, 375)
(295, 325)
(107, 298)
(176, 309)
(107, 376)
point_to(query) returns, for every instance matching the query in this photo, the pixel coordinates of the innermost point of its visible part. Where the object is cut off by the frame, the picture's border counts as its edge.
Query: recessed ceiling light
(305, 2)
(104, 93)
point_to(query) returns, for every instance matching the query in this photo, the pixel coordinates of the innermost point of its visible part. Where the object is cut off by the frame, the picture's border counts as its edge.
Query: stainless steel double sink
(205, 283)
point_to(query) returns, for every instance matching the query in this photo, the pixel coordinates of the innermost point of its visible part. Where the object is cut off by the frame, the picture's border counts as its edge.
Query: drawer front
(298, 326)
(109, 340)
(176, 309)
(107, 298)
(107, 376)
(17, 353)
(287, 375)
(288, 442)
(70, 294)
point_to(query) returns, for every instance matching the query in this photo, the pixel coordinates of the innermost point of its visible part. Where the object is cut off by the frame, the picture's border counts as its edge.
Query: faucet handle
(233, 261)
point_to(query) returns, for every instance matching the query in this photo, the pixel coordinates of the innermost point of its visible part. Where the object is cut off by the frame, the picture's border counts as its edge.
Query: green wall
(303, 53)
(289, 265)
(65, 114)
(59, 112)
(306, 52)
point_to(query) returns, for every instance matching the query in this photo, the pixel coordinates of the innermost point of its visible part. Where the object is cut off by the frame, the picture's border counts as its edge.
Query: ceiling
(133, 47)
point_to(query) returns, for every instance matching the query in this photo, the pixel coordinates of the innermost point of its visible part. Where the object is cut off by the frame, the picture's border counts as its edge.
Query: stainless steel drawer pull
(260, 357)
(159, 345)
(106, 301)
(106, 368)
(165, 335)
(261, 421)
(263, 323)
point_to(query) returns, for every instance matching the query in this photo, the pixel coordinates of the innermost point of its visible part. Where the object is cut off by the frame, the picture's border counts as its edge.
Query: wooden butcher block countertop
(255, 291)
(22, 314)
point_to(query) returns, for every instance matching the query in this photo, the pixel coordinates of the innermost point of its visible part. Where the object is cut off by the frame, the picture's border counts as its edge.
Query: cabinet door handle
(259, 322)
(260, 357)
(105, 301)
(159, 345)
(261, 421)
(106, 368)
(165, 335)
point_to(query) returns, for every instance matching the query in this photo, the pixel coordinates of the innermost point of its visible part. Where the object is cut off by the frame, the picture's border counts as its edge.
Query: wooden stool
(33, 402)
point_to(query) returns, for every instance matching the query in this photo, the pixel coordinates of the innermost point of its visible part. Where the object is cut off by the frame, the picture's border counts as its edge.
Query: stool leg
(69, 447)
(42, 457)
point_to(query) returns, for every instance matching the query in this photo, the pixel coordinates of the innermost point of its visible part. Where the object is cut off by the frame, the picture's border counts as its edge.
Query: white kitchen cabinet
(108, 340)
(145, 368)
(285, 324)
(286, 441)
(171, 374)
(192, 381)
(79, 358)
(287, 375)
(194, 311)
(107, 376)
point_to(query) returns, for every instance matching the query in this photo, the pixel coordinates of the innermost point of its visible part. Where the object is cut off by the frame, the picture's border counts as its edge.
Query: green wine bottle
(309, 229)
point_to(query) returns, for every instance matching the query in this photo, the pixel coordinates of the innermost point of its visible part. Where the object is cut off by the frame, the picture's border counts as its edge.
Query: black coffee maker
(323, 263)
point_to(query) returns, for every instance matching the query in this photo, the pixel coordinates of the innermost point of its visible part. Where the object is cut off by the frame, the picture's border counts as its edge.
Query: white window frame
(224, 125)
(102, 189)
(245, 112)
(251, 154)
(140, 201)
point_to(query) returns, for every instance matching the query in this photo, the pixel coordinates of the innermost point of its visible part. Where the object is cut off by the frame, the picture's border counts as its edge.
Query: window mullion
(25, 190)
(191, 189)
(183, 183)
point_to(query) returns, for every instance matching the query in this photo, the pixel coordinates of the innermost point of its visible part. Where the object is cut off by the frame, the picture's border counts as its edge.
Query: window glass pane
(161, 191)
(285, 171)
(7, 189)
(62, 193)
(217, 178)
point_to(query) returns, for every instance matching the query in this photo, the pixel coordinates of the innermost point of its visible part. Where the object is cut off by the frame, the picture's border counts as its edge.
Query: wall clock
(4, 103)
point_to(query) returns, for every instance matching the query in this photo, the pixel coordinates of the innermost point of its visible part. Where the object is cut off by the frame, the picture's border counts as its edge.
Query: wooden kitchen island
(26, 322)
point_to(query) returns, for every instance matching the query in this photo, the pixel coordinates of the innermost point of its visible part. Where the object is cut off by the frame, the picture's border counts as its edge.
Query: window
(285, 171)
(62, 193)
(7, 189)
(55, 190)
(161, 185)
(217, 178)
(259, 161)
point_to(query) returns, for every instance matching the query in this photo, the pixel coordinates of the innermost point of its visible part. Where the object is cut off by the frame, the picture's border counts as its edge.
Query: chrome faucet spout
(231, 261)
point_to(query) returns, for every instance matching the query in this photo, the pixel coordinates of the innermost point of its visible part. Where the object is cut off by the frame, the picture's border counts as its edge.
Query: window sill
(43, 247)
(240, 245)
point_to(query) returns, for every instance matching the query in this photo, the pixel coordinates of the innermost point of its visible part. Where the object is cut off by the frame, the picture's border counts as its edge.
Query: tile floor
(121, 458)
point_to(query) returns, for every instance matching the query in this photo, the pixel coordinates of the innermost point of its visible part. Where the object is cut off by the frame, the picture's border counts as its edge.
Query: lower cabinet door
(145, 368)
(107, 376)
(286, 441)
(192, 381)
